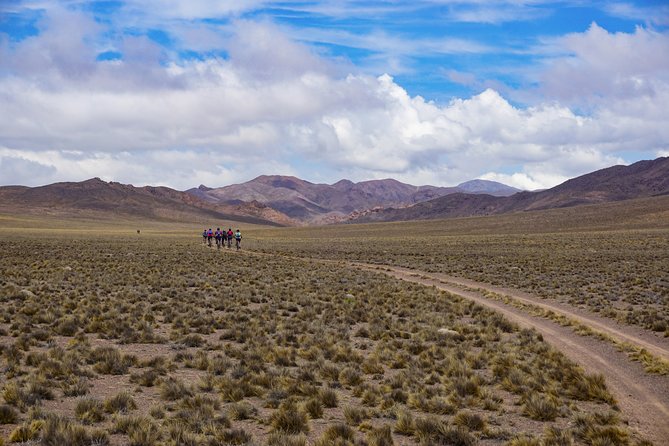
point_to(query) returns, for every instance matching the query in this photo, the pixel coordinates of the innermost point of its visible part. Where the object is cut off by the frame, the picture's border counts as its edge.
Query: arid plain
(462, 331)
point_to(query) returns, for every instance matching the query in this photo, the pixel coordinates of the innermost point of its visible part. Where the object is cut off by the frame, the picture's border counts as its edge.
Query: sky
(181, 93)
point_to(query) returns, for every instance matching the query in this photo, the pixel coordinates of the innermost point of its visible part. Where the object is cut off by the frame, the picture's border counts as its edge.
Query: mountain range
(642, 179)
(286, 200)
(95, 198)
(307, 202)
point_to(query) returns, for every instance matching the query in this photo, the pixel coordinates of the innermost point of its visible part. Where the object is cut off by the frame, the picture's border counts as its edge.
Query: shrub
(109, 361)
(144, 433)
(236, 437)
(470, 420)
(540, 408)
(427, 428)
(350, 376)
(355, 415)
(121, 402)
(59, 431)
(241, 411)
(289, 419)
(337, 434)
(328, 398)
(524, 440)
(89, 410)
(13, 393)
(554, 436)
(8, 414)
(456, 436)
(76, 386)
(405, 423)
(588, 387)
(281, 439)
(26, 432)
(147, 378)
(314, 408)
(380, 436)
(173, 389)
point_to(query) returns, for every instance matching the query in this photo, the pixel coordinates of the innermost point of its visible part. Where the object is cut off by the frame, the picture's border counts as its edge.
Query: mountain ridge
(644, 178)
(317, 203)
(288, 200)
(97, 198)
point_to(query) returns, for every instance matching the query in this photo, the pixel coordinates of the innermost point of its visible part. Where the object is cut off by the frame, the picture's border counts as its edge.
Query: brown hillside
(97, 198)
(638, 180)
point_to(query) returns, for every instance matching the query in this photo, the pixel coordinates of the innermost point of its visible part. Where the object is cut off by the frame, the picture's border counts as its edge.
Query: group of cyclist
(222, 236)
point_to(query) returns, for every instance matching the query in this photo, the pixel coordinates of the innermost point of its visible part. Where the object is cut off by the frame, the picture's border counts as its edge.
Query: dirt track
(642, 398)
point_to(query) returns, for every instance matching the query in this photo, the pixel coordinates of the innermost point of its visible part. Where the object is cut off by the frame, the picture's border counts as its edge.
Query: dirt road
(642, 398)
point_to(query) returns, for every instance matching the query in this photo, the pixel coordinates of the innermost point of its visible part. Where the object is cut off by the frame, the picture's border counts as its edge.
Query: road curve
(642, 398)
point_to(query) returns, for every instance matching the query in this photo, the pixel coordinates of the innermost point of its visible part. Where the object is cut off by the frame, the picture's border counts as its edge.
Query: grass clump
(89, 410)
(335, 435)
(172, 389)
(289, 419)
(314, 407)
(110, 361)
(329, 398)
(26, 432)
(381, 436)
(469, 420)
(355, 415)
(540, 408)
(122, 402)
(281, 439)
(404, 425)
(242, 411)
(8, 415)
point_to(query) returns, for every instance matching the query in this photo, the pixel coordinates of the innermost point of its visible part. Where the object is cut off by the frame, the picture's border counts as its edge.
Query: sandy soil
(642, 398)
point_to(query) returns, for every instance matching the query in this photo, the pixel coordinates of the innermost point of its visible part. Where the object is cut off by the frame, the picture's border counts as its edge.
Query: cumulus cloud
(598, 66)
(274, 105)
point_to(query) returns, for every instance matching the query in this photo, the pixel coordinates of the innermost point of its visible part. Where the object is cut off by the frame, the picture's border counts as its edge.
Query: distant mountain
(318, 203)
(96, 198)
(641, 179)
(487, 187)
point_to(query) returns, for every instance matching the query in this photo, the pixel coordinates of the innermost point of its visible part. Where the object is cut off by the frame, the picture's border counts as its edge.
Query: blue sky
(181, 93)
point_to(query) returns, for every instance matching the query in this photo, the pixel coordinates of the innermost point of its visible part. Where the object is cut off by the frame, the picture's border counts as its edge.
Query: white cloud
(276, 106)
(599, 67)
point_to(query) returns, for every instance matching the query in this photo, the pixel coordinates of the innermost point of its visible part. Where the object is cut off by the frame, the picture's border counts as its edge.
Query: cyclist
(210, 235)
(230, 234)
(238, 239)
(204, 236)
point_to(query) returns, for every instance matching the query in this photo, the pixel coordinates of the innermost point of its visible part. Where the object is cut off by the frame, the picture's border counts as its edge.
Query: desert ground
(536, 329)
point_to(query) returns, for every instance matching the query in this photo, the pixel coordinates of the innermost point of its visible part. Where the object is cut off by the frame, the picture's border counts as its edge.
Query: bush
(355, 415)
(281, 439)
(241, 411)
(329, 398)
(380, 437)
(121, 402)
(109, 361)
(540, 408)
(405, 423)
(8, 415)
(314, 408)
(350, 376)
(89, 410)
(59, 431)
(470, 420)
(144, 433)
(235, 437)
(337, 434)
(26, 432)
(173, 389)
(290, 420)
